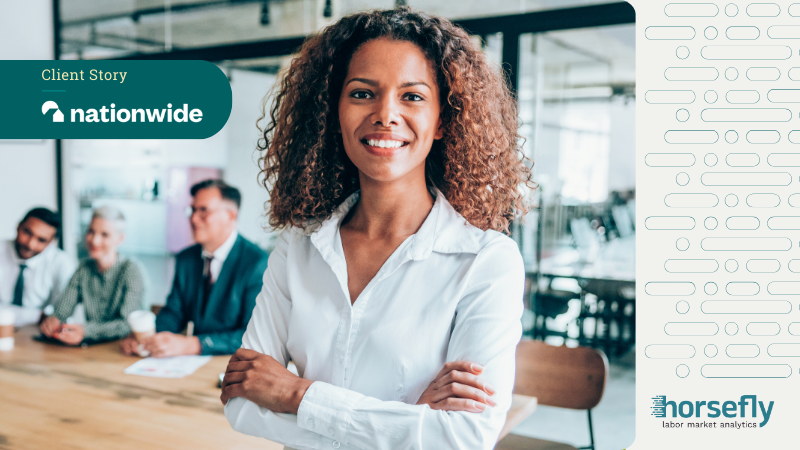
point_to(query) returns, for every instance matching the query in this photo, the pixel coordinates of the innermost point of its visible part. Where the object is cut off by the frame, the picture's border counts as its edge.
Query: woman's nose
(388, 112)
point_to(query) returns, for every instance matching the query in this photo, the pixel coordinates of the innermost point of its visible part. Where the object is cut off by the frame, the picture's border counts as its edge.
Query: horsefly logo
(659, 408)
(58, 116)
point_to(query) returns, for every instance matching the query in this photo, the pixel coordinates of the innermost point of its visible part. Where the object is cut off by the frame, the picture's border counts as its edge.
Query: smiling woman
(393, 166)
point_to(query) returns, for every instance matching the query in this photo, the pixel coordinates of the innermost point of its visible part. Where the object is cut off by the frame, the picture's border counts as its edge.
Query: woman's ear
(439, 130)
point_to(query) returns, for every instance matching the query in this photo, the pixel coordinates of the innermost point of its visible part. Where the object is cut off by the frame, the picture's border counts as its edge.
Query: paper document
(175, 367)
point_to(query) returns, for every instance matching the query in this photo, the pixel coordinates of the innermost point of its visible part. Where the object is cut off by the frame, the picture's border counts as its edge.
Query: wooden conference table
(54, 397)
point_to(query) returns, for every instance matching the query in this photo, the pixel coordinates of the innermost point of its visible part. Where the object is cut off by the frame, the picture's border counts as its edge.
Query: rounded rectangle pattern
(763, 265)
(715, 52)
(742, 288)
(742, 97)
(784, 223)
(774, 244)
(763, 137)
(763, 200)
(742, 159)
(742, 33)
(691, 73)
(763, 328)
(784, 95)
(763, 73)
(784, 159)
(691, 136)
(794, 200)
(746, 115)
(784, 350)
(657, 33)
(669, 159)
(763, 10)
(794, 265)
(742, 350)
(669, 351)
(691, 10)
(746, 370)
(691, 265)
(691, 200)
(663, 288)
(669, 223)
(742, 223)
(783, 32)
(784, 287)
(746, 178)
(794, 328)
(746, 307)
(669, 97)
(691, 328)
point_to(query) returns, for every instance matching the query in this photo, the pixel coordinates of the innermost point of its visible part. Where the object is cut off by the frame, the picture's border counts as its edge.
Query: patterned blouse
(107, 297)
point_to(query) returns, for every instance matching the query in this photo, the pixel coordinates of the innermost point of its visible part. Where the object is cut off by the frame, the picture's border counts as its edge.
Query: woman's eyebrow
(375, 83)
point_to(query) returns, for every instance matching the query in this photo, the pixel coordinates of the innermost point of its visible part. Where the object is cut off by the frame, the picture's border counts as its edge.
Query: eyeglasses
(202, 211)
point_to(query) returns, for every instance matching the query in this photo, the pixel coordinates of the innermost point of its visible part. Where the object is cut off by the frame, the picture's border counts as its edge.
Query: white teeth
(384, 143)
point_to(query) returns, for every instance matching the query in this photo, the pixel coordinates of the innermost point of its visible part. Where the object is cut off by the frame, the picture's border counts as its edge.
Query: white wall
(233, 150)
(622, 157)
(242, 170)
(27, 169)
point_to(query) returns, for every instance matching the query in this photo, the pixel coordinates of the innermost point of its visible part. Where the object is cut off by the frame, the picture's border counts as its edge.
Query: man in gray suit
(216, 281)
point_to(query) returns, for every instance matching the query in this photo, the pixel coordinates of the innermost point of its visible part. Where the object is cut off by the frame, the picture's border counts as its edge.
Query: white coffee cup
(143, 325)
(6, 329)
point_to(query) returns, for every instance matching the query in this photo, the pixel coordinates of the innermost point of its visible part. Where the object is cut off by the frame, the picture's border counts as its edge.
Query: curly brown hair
(478, 164)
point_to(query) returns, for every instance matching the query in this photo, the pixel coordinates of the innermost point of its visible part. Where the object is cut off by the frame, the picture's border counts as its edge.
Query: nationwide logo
(58, 116)
(747, 407)
(112, 114)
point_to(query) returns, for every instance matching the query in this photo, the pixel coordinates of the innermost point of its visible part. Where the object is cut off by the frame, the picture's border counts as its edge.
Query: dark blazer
(230, 303)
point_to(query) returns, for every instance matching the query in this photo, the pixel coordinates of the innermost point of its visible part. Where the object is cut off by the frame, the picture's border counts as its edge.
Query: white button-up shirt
(45, 278)
(220, 255)
(449, 292)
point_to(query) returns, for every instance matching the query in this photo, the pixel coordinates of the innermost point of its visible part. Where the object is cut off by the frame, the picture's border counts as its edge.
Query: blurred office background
(571, 63)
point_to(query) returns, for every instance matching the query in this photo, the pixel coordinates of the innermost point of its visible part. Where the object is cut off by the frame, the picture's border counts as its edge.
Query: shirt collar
(30, 262)
(443, 231)
(221, 253)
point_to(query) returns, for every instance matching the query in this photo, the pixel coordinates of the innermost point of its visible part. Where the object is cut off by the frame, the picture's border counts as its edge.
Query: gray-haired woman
(110, 286)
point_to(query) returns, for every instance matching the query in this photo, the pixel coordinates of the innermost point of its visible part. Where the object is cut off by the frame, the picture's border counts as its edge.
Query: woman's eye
(415, 97)
(360, 95)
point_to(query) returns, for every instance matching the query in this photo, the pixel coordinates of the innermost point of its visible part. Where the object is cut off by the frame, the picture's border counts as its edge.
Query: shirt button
(335, 444)
(310, 422)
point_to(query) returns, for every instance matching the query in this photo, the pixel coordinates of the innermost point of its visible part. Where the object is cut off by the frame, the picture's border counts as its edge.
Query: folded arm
(487, 330)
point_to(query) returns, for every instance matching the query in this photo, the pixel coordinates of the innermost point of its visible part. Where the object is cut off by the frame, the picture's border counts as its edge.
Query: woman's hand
(457, 387)
(50, 326)
(129, 346)
(70, 334)
(264, 381)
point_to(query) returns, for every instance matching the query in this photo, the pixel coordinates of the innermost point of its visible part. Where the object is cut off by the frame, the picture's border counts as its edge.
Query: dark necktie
(18, 287)
(207, 282)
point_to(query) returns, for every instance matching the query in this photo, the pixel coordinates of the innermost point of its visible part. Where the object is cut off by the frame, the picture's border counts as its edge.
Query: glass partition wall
(574, 83)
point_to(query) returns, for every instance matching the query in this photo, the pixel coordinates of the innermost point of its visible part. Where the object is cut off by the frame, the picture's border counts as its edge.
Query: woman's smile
(384, 144)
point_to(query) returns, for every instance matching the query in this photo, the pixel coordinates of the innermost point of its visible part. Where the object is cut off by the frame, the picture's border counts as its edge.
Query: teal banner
(112, 99)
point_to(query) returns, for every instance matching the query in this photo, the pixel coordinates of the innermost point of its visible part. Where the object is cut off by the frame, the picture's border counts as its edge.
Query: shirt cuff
(206, 344)
(325, 409)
